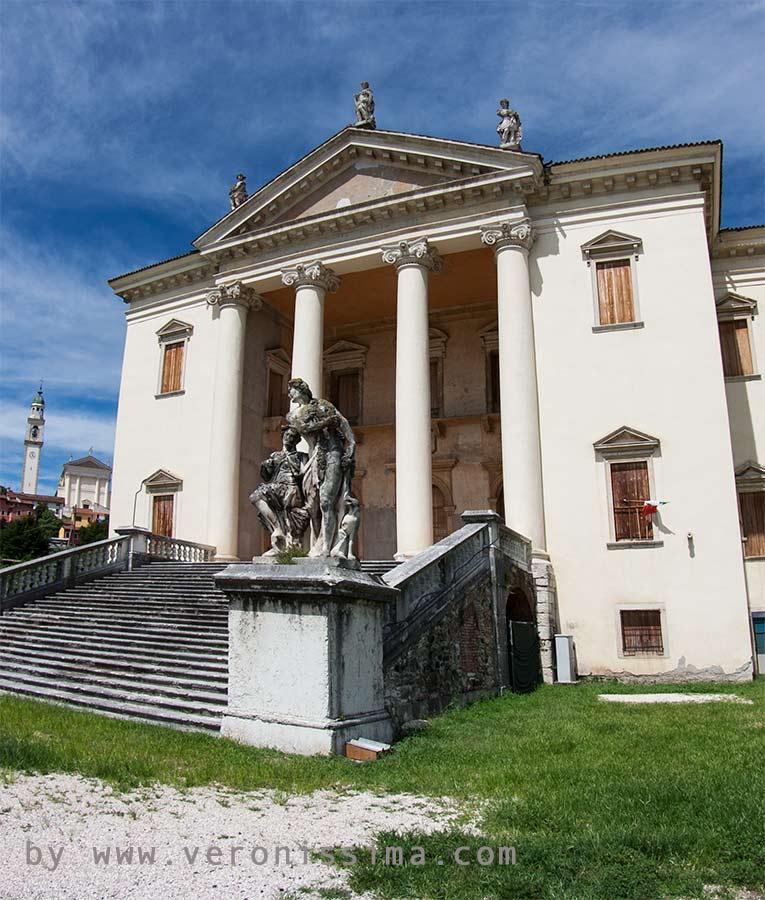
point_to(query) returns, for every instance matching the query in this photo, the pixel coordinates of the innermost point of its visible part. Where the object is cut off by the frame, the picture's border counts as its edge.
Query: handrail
(161, 547)
(27, 581)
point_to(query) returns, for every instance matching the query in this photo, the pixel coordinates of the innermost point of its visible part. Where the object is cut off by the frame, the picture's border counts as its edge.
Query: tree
(93, 531)
(48, 522)
(23, 539)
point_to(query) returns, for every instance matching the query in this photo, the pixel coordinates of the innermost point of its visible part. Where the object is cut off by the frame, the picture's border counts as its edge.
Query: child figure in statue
(279, 501)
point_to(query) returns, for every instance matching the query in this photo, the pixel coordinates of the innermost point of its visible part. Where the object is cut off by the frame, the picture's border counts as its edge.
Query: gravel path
(50, 825)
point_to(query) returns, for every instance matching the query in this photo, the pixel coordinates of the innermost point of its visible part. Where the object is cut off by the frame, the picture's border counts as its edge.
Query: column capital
(418, 252)
(234, 294)
(314, 274)
(508, 234)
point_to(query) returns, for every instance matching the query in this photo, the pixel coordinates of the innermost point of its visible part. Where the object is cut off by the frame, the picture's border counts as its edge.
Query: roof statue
(509, 128)
(364, 103)
(238, 192)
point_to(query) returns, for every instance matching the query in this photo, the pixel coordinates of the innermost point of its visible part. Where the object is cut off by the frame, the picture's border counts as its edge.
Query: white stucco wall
(745, 275)
(666, 380)
(171, 432)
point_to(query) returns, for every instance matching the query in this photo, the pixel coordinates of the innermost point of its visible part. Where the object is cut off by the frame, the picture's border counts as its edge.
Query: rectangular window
(172, 367)
(277, 398)
(641, 632)
(615, 302)
(736, 349)
(436, 390)
(753, 522)
(345, 394)
(492, 381)
(629, 489)
(162, 519)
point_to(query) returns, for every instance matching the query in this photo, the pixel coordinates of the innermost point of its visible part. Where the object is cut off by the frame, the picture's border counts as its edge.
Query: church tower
(33, 444)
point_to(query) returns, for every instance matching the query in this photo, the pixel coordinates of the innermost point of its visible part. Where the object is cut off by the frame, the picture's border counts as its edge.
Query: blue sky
(123, 124)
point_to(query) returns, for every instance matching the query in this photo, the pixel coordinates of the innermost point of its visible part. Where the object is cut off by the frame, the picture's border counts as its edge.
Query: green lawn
(601, 801)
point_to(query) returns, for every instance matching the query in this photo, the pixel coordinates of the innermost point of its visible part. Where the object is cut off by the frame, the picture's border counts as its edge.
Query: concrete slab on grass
(672, 698)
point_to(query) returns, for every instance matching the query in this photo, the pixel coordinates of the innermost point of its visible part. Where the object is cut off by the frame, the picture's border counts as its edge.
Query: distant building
(33, 444)
(86, 482)
(85, 490)
(15, 504)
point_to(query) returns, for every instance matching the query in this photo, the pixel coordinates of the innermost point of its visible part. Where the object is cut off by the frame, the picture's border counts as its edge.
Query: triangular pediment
(88, 462)
(359, 166)
(175, 327)
(163, 480)
(626, 441)
(751, 474)
(612, 241)
(735, 306)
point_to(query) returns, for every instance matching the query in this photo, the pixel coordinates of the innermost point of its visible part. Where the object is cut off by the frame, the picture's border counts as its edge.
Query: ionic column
(311, 285)
(234, 301)
(413, 260)
(519, 404)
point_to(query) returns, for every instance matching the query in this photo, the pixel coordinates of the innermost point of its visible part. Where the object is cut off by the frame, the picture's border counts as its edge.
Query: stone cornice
(315, 274)
(413, 253)
(508, 234)
(234, 294)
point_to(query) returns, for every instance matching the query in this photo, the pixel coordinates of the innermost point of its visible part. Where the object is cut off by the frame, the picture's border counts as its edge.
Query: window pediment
(345, 355)
(612, 243)
(437, 339)
(626, 441)
(490, 336)
(175, 330)
(162, 480)
(750, 476)
(734, 306)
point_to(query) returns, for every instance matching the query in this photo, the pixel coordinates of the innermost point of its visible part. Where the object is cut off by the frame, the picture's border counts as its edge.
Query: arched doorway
(522, 642)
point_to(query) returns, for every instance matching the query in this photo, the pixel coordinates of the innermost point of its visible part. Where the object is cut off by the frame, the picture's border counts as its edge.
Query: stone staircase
(378, 566)
(150, 644)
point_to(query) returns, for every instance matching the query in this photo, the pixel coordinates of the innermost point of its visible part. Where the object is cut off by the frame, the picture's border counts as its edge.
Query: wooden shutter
(435, 389)
(172, 367)
(346, 394)
(163, 515)
(276, 402)
(629, 488)
(736, 349)
(493, 386)
(753, 522)
(615, 292)
(641, 631)
(440, 521)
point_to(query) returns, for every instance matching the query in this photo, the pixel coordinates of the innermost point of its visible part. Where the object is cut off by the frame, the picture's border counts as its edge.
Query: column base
(306, 737)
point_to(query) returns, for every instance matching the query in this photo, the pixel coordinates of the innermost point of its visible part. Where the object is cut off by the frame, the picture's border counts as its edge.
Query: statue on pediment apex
(364, 103)
(509, 128)
(238, 193)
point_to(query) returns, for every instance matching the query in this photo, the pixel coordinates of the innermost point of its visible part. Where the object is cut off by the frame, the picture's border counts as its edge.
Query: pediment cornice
(625, 442)
(447, 159)
(734, 306)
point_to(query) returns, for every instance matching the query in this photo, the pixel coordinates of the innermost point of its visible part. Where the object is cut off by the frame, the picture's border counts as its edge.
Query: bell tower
(33, 444)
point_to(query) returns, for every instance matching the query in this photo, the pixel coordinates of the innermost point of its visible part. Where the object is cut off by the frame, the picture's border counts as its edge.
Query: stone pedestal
(305, 656)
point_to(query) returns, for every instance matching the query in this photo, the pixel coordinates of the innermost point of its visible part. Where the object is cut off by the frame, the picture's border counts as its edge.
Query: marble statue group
(310, 491)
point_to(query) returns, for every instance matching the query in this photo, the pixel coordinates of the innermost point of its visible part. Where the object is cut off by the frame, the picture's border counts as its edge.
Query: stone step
(149, 592)
(175, 625)
(121, 605)
(121, 709)
(164, 649)
(142, 636)
(378, 566)
(95, 659)
(69, 679)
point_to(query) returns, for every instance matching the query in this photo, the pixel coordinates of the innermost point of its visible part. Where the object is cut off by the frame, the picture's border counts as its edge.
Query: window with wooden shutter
(172, 367)
(162, 520)
(436, 389)
(641, 632)
(492, 381)
(277, 398)
(736, 349)
(629, 489)
(345, 394)
(752, 505)
(440, 518)
(615, 300)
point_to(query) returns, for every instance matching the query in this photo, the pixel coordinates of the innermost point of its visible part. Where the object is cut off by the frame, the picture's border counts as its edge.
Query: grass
(601, 801)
